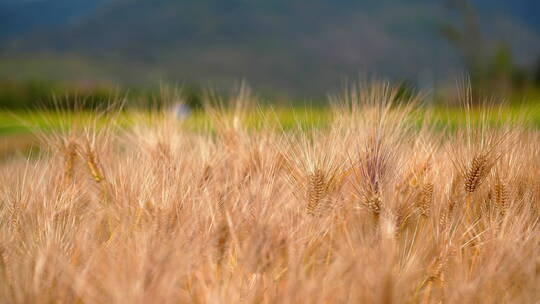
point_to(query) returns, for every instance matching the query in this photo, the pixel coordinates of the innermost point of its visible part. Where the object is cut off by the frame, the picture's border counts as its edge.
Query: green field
(17, 128)
(20, 122)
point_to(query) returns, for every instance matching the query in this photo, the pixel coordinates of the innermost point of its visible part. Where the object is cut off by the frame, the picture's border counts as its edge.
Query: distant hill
(19, 17)
(286, 45)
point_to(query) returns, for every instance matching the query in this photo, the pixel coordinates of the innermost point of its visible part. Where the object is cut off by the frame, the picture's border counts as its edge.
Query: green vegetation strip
(25, 122)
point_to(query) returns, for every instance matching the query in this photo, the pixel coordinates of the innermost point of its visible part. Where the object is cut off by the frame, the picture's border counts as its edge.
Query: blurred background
(289, 51)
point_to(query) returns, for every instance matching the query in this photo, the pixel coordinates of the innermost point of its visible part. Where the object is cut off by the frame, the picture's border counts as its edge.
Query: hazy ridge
(306, 46)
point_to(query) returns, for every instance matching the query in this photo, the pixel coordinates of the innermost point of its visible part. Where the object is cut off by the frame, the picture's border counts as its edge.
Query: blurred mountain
(18, 17)
(287, 45)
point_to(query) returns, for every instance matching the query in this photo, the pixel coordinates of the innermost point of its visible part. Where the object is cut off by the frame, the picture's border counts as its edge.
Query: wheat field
(374, 208)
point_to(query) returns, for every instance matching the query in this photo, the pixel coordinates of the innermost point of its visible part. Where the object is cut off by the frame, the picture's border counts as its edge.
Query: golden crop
(373, 209)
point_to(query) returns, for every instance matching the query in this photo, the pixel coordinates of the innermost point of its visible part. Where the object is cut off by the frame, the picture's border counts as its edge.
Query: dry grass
(372, 209)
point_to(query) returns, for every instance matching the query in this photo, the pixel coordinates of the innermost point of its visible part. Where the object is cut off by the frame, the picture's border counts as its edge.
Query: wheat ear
(476, 173)
(93, 165)
(426, 199)
(70, 156)
(316, 191)
(501, 197)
